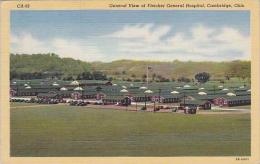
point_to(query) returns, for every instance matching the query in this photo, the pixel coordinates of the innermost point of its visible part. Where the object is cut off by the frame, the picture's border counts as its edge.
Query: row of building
(157, 92)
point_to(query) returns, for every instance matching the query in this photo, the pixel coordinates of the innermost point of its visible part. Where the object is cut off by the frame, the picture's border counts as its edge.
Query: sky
(108, 35)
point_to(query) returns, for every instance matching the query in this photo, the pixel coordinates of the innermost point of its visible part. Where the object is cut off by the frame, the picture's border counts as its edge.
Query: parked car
(82, 103)
(190, 110)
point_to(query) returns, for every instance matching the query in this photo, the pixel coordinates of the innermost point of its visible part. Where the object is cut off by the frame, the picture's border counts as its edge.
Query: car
(157, 109)
(82, 103)
(98, 103)
(190, 110)
(73, 103)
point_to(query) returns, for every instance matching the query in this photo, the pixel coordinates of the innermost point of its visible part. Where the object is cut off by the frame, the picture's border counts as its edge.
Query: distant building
(232, 101)
(196, 103)
(121, 100)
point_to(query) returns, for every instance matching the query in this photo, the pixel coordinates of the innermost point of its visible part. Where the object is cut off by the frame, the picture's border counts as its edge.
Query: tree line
(42, 66)
(95, 75)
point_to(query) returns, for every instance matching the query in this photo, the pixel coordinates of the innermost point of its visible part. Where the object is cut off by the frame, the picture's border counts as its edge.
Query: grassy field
(241, 107)
(18, 104)
(79, 131)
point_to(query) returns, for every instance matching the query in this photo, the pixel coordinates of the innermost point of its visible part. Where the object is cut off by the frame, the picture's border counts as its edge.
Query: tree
(128, 79)
(124, 72)
(137, 80)
(144, 76)
(98, 75)
(110, 78)
(240, 69)
(68, 78)
(183, 79)
(227, 77)
(164, 80)
(87, 76)
(202, 77)
(153, 76)
(133, 76)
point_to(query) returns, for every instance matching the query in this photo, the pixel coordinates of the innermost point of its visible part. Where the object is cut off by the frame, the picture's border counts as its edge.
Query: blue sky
(98, 35)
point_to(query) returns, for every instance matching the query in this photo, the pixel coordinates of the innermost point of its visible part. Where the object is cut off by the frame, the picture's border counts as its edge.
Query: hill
(124, 69)
(46, 64)
(174, 69)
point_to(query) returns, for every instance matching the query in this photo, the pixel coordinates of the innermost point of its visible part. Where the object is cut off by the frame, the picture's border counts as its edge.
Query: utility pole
(136, 105)
(160, 94)
(126, 103)
(154, 106)
(147, 74)
(145, 102)
(184, 96)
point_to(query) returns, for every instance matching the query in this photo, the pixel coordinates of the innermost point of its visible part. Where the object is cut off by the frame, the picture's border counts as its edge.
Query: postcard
(127, 81)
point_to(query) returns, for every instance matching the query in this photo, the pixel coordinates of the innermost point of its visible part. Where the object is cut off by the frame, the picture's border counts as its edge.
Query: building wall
(238, 102)
(225, 102)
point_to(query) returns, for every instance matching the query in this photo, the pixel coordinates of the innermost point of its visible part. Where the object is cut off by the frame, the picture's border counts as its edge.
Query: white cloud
(26, 43)
(199, 43)
(146, 32)
(14, 39)
(201, 33)
(78, 49)
(144, 42)
(232, 39)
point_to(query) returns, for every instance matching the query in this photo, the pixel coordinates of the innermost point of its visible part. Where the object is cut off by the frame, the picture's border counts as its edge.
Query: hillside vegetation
(53, 65)
(46, 63)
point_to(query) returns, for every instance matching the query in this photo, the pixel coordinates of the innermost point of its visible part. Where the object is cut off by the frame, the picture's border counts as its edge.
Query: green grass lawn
(241, 107)
(19, 104)
(79, 131)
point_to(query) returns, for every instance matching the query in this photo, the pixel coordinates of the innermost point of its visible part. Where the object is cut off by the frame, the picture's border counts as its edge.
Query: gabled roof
(206, 97)
(119, 97)
(50, 95)
(236, 98)
(194, 102)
